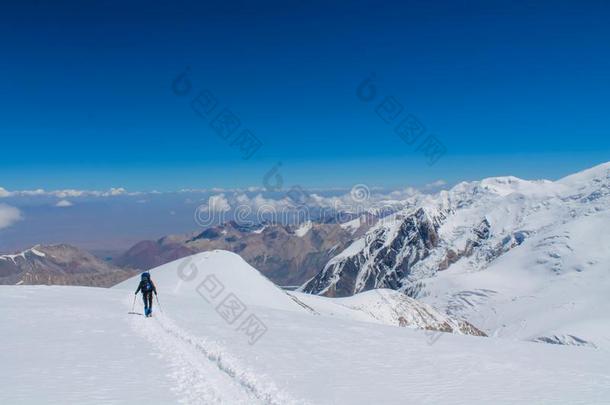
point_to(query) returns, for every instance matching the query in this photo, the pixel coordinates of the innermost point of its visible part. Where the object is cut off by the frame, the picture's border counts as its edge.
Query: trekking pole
(158, 303)
(134, 303)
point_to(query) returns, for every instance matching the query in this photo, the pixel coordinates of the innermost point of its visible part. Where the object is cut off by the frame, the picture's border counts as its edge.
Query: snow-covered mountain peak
(549, 229)
(24, 254)
(474, 223)
(493, 187)
(599, 174)
(590, 186)
(58, 264)
(505, 185)
(217, 272)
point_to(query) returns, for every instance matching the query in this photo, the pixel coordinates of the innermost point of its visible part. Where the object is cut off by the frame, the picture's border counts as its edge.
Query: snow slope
(387, 307)
(544, 289)
(79, 345)
(75, 345)
(185, 276)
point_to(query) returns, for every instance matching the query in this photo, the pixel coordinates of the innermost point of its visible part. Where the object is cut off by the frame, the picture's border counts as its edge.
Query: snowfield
(543, 289)
(228, 335)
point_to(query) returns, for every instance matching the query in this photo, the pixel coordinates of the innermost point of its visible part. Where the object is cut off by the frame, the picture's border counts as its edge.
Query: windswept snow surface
(75, 345)
(79, 345)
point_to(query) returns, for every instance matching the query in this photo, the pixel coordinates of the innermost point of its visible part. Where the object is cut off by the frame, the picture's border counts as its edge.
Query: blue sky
(507, 88)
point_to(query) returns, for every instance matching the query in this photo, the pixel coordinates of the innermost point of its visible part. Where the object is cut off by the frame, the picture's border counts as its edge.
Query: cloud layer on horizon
(121, 191)
(118, 218)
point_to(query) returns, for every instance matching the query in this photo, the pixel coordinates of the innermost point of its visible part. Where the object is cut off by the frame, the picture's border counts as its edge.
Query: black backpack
(147, 285)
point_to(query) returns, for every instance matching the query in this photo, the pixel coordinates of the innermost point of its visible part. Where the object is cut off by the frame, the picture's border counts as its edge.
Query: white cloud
(227, 199)
(69, 193)
(8, 215)
(392, 200)
(29, 193)
(115, 191)
(64, 203)
(253, 189)
(435, 184)
(218, 203)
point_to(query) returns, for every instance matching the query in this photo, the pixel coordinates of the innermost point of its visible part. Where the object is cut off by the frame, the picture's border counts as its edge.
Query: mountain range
(59, 265)
(517, 258)
(287, 255)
